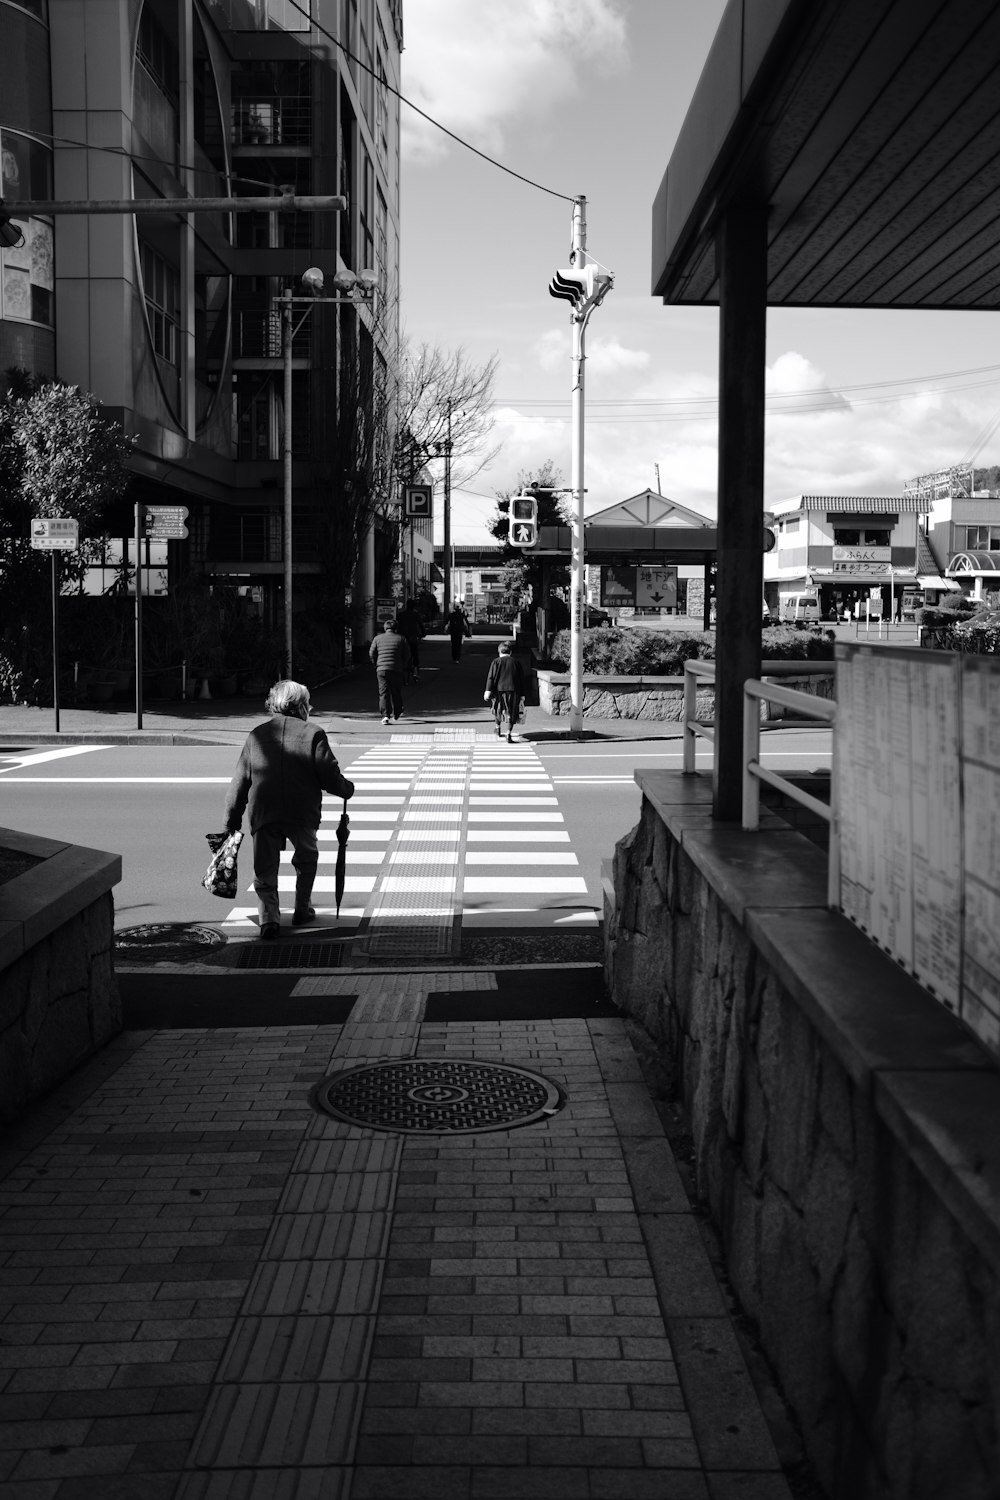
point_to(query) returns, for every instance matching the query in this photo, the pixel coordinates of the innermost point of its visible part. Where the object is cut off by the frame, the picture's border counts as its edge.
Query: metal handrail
(824, 709)
(696, 668)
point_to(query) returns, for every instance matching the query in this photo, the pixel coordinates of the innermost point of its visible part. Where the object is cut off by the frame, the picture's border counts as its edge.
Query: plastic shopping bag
(221, 878)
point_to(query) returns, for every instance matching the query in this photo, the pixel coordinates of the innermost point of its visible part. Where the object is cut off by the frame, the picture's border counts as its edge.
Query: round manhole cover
(449, 1095)
(166, 940)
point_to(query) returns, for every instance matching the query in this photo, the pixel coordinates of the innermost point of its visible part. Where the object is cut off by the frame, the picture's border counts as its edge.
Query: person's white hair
(287, 697)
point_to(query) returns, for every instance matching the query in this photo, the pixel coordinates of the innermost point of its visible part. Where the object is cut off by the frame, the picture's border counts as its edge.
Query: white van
(798, 609)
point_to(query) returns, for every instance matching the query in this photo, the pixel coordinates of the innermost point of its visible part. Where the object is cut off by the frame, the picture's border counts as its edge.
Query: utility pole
(287, 338)
(585, 287)
(447, 511)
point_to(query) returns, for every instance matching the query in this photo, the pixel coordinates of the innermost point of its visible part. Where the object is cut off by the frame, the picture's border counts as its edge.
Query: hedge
(613, 652)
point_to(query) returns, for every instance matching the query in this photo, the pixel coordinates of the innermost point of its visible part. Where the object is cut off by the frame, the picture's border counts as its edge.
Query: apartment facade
(173, 321)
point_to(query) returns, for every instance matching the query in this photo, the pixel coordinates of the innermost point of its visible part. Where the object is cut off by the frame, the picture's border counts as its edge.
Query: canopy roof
(870, 128)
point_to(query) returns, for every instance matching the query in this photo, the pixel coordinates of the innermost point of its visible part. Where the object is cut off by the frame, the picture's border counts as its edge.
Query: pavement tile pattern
(210, 1291)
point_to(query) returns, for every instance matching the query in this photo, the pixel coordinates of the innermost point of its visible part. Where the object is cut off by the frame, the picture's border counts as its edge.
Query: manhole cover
(428, 1095)
(166, 940)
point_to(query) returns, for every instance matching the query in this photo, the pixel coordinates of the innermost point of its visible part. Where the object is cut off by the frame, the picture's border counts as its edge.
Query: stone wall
(845, 1143)
(657, 698)
(59, 998)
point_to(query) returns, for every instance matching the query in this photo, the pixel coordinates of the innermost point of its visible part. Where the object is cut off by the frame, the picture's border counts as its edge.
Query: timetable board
(917, 767)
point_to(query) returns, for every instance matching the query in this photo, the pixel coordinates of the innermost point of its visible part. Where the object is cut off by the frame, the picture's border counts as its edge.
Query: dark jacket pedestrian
(411, 628)
(284, 768)
(505, 687)
(458, 627)
(390, 656)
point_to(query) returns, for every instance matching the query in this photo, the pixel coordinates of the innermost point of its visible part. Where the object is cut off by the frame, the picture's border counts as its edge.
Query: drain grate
(289, 956)
(158, 941)
(438, 1095)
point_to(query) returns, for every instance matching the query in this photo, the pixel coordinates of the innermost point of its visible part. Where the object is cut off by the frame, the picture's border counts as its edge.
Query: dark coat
(457, 623)
(506, 675)
(284, 768)
(390, 652)
(410, 625)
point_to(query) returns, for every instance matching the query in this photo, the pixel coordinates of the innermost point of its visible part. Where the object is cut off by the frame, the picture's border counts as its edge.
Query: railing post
(690, 714)
(751, 755)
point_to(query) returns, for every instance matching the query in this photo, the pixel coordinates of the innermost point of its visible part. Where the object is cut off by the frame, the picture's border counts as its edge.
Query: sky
(587, 97)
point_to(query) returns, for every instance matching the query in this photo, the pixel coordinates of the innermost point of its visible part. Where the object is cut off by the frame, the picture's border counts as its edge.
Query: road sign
(656, 587)
(54, 534)
(418, 500)
(165, 521)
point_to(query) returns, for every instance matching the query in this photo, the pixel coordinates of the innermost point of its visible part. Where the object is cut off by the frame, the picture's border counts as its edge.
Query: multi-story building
(172, 321)
(849, 549)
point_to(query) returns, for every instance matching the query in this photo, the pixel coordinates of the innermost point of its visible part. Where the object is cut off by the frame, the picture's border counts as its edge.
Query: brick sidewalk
(210, 1291)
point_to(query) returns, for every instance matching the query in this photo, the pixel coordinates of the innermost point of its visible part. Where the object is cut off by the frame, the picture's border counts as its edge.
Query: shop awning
(975, 563)
(932, 581)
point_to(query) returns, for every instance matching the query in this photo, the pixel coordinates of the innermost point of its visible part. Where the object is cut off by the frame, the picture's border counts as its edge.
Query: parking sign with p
(417, 501)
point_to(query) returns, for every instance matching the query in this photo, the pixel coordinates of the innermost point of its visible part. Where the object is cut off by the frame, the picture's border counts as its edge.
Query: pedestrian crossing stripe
(443, 834)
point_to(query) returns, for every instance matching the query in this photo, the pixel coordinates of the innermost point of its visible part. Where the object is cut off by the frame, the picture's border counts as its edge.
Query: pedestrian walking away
(458, 627)
(390, 656)
(284, 768)
(411, 628)
(505, 686)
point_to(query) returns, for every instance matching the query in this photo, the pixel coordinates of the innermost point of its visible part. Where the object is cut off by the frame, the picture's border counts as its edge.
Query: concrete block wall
(845, 1144)
(59, 999)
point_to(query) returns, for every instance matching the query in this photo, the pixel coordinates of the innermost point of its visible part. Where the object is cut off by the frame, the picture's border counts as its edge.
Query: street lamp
(353, 290)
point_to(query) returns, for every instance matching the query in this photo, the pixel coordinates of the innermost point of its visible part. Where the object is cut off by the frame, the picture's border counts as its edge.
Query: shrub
(613, 652)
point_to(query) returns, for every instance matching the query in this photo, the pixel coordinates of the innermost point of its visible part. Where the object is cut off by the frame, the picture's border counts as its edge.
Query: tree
(529, 580)
(392, 420)
(59, 456)
(442, 400)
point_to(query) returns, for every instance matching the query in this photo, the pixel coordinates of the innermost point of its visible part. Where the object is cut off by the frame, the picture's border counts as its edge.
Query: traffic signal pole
(584, 286)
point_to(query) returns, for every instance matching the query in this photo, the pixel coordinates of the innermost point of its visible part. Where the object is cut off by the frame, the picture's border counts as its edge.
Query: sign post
(156, 523)
(418, 504)
(55, 534)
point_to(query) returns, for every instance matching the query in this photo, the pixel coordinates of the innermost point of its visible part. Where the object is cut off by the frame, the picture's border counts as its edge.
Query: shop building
(859, 554)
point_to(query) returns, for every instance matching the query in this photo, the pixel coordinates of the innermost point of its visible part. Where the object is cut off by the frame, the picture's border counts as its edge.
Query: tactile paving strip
(438, 1095)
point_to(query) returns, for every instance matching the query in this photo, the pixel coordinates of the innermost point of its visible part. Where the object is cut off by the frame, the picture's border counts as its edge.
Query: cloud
(606, 356)
(474, 67)
(862, 441)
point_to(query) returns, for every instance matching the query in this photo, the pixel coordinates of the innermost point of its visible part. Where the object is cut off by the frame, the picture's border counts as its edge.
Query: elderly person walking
(505, 687)
(391, 657)
(284, 768)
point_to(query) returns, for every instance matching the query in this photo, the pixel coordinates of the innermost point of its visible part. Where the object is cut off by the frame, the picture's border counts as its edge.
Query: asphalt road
(154, 804)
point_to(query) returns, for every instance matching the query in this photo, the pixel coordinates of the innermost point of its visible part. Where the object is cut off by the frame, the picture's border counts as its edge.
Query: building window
(982, 539)
(852, 536)
(382, 102)
(113, 568)
(157, 54)
(382, 244)
(27, 271)
(161, 289)
(367, 215)
(266, 15)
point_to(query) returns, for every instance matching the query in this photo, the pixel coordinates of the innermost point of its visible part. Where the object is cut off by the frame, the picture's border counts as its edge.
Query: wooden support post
(741, 253)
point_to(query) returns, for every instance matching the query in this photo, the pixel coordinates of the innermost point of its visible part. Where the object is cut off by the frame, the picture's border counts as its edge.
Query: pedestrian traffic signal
(11, 234)
(523, 520)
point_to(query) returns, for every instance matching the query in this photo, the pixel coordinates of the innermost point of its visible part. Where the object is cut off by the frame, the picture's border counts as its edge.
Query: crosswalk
(446, 830)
